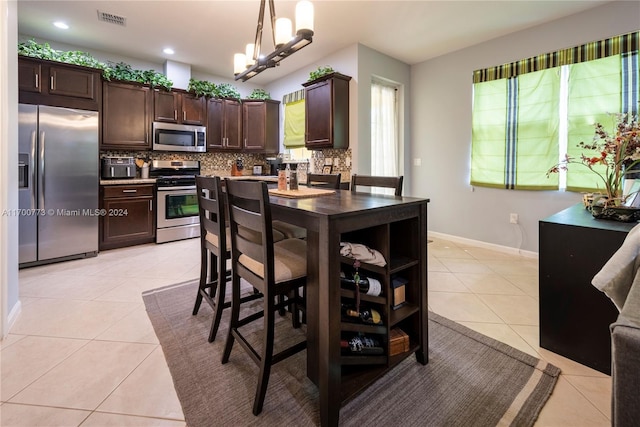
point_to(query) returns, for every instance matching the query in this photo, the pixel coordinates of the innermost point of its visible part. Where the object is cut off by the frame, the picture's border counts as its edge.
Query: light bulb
(239, 63)
(283, 31)
(304, 16)
(249, 51)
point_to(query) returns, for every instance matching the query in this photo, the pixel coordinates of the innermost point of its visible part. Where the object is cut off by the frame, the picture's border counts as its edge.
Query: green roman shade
(529, 114)
(594, 91)
(488, 133)
(294, 119)
(515, 131)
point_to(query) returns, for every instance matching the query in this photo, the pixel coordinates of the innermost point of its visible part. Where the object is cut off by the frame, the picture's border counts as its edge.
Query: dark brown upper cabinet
(260, 125)
(126, 116)
(178, 107)
(327, 112)
(58, 84)
(224, 124)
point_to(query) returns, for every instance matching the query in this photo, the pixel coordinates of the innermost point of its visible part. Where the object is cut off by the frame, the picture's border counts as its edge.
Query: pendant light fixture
(252, 63)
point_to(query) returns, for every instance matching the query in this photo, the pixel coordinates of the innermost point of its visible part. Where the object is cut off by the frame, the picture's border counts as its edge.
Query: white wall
(9, 302)
(441, 130)
(372, 63)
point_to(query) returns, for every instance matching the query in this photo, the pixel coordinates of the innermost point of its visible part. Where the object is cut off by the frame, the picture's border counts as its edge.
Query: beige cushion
(290, 231)
(250, 234)
(290, 260)
(213, 239)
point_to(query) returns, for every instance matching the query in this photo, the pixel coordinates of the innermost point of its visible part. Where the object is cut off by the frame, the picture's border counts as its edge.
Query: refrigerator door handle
(32, 169)
(41, 173)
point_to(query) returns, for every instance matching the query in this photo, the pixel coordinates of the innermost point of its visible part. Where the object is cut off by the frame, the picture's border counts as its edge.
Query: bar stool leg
(267, 354)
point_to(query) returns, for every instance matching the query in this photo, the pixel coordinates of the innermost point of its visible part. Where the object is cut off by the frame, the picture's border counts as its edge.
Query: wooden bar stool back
(394, 182)
(215, 249)
(274, 269)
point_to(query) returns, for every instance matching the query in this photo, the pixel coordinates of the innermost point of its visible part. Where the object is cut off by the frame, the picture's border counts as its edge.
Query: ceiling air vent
(112, 19)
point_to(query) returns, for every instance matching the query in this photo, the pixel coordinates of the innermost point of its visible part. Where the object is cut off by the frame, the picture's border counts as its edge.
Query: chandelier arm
(258, 41)
(272, 11)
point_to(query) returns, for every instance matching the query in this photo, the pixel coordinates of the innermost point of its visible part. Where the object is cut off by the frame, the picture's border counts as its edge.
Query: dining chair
(215, 250)
(274, 269)
(323, 180)
(291, 231)
(394, 182)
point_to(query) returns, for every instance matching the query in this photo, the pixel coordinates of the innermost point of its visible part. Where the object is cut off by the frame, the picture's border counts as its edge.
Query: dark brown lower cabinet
(129, 215)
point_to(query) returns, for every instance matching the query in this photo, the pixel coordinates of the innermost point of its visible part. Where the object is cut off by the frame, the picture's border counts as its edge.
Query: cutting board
(301, 192)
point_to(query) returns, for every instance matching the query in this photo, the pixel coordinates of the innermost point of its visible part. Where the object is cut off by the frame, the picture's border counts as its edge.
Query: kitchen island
(396, 227)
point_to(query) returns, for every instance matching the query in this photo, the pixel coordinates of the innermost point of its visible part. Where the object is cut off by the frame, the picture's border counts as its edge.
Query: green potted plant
(202, 88)
(320, 72)
(259, 94)
(226, 90)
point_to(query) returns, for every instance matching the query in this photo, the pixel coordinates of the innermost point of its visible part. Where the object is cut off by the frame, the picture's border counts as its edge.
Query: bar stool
(273, 268)
(214, 235)
(394, 182)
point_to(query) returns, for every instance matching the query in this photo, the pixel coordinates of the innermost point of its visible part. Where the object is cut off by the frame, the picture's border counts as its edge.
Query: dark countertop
(578, 216)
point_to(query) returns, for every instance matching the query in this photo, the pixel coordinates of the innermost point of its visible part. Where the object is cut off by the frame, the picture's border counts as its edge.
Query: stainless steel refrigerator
(58, 195)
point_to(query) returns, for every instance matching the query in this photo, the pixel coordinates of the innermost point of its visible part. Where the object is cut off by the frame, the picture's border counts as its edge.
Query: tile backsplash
(220, 163)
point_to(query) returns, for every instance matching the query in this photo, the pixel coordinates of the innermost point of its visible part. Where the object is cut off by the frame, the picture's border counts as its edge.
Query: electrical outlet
(417, 161)
(513, 218)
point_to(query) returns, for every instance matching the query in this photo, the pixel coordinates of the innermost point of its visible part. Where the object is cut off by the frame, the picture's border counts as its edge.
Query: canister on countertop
(282, 178)
(293, 178)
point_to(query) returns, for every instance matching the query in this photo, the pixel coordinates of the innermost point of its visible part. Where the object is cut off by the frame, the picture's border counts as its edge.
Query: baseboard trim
(13, 315)
(481, 244)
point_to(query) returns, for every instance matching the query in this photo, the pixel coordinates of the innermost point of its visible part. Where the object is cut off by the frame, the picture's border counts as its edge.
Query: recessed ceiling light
(61, 25)
(168, 51)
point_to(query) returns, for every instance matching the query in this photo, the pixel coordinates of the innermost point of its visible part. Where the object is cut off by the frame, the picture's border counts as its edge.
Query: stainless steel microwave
(174, 137)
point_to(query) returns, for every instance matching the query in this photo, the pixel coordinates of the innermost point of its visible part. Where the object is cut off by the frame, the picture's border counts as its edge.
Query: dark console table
(574, 315)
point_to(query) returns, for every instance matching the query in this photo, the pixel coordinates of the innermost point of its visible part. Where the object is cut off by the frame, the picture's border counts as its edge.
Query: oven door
(177, 206)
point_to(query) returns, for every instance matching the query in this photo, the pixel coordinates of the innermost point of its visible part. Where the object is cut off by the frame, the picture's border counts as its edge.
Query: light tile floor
(83, 351)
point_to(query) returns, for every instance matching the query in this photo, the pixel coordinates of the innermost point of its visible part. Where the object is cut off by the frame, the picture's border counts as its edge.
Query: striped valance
(586, 52)
(293, 96)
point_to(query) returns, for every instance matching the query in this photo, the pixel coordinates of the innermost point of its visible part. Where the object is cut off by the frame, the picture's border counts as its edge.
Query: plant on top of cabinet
(202, 88)
(226, 90)
(110, 70)
(43, 51)
(124, 72)
(321, 71)
(259, 94)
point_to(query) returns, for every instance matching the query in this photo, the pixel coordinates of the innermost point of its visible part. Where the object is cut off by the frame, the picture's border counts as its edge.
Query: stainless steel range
(177, 213)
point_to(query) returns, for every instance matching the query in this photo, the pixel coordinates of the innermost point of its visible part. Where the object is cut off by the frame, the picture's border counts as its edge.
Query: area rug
(470, 379)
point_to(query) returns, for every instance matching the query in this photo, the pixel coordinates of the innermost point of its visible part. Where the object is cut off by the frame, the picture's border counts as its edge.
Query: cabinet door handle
(37, 80)
(175, 115)
(151, 205)
(184, 115)
(53, 83)
(129, 191)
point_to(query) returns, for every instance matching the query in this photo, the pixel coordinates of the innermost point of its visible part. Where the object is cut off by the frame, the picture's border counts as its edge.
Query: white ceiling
(206, 34)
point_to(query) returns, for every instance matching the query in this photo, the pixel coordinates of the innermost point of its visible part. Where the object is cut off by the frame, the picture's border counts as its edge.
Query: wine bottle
(367, 285)
(361, 345)
(365, 315)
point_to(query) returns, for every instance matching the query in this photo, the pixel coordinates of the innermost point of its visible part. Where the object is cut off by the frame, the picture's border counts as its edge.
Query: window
(529, 114)
(294, 125)
(384, 129)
